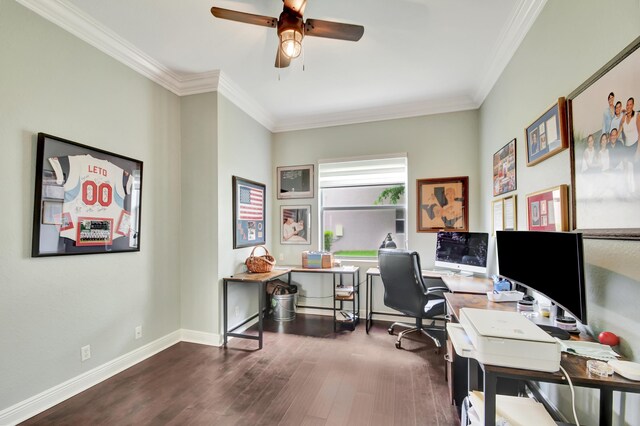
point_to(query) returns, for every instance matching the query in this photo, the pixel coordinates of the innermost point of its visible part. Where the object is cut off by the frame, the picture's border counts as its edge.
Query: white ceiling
(416, 56)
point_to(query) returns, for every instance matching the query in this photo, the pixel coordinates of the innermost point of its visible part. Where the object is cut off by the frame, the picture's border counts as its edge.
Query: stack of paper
(510, 410)
(344, 291)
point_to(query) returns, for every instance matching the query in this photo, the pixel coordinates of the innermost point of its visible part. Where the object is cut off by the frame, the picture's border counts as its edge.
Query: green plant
(393, 194)
(328, 240)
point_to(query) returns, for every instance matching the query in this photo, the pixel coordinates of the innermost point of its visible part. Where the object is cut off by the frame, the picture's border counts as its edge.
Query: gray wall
(199, 213)
(244, 151)
(570, 40)
(52, 82)
(437, 146)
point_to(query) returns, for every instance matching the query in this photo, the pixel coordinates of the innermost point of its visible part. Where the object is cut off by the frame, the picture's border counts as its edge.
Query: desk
(338, 273)
(455, 284)
(255, 278)
(261, 279)
(575, 366)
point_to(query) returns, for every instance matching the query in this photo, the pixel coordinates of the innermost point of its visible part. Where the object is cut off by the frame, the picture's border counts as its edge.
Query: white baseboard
(36, 404)
(200, 337)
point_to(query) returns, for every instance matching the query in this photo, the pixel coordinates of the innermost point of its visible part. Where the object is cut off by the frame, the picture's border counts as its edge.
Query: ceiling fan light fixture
(291, 43)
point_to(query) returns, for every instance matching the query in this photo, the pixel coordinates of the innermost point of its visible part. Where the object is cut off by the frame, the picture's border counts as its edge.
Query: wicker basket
(262, 263)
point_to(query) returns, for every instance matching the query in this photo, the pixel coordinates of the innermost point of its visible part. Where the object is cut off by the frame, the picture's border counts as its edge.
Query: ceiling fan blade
(247, 18)
(282, 60)
(328, 29)
(296, 5)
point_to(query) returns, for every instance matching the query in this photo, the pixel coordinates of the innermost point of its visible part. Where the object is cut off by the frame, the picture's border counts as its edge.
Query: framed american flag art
(249, 219)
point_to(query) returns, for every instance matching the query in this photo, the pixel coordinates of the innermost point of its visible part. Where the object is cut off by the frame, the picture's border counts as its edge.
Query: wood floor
(305, 375)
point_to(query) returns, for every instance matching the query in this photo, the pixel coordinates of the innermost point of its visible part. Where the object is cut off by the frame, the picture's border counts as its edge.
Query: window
(355, 217)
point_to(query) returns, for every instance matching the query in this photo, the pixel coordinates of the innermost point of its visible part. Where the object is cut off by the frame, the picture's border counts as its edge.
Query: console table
(261, 280)
(249, 277)
(575, 366)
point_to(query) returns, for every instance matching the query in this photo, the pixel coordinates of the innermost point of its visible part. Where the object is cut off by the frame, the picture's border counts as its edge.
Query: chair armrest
(436, 289)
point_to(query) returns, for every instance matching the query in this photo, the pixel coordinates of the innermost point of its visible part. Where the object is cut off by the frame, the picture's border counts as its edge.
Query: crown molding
(386, 112)
(245, 102)
(70, 18)
(508, 42)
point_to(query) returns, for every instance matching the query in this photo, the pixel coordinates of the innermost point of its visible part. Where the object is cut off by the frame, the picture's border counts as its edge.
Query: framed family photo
(547, 210)
(295, 224)
(605, 160)
(443, 204)
(249, 218)
(548, 134)
(295, 182)
(87, 200)
(504, 169)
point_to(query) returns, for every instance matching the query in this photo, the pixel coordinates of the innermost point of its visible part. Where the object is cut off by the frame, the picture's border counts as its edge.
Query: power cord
(573, 396)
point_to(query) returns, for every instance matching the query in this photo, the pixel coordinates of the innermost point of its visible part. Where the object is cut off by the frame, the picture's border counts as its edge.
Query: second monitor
(463, 251)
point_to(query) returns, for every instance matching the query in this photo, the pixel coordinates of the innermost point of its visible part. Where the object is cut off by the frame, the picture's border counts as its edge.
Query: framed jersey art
(87, 200)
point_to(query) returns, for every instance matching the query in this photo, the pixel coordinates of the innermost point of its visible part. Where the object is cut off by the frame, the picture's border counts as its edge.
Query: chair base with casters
(418, 327)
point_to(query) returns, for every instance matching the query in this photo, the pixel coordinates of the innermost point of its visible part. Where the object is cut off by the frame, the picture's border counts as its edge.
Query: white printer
(506, 339)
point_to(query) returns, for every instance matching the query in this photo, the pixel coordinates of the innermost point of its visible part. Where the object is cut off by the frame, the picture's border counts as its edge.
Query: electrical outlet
(281, 256)
(85, 352)
(237, 311)
(138, 332)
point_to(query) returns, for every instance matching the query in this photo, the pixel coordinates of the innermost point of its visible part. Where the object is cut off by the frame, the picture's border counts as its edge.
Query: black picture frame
(87, 200)
(605, 203)
(249, 213)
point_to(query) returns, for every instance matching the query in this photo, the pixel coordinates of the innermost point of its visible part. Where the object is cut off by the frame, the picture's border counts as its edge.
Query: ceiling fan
(292, 28)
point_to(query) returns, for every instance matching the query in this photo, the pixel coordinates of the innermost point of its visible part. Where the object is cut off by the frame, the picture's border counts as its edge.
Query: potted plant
(393, 194)
(328, 240)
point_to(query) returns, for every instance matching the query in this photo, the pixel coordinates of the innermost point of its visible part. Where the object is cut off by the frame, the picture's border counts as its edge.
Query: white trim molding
(55, 395)
(68, 17)
(201, 338)
(509, 40)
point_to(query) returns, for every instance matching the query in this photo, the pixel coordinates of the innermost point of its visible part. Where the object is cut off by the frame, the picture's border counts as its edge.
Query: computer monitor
(462, 251)
(550, 263)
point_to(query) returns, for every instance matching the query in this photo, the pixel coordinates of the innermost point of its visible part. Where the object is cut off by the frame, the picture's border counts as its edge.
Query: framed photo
(605, 161)
(249, 218)
(87, 200)
(295, 182)
(547, 136)
(443, 204)
(510, 213)
(504, 169)
(295, 224)
(497, 215)
(547, 210)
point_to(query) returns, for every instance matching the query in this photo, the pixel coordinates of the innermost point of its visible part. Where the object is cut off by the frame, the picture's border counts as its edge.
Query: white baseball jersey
(93, 210)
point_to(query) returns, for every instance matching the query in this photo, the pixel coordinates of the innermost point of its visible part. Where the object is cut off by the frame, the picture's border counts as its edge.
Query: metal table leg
(261, 303)
(224, 312)
(606, 402)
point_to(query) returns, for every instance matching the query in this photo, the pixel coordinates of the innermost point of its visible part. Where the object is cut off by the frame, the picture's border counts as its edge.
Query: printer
(505, 339)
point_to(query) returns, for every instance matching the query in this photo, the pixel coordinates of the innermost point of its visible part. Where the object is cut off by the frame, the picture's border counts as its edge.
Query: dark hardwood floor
(305, 375)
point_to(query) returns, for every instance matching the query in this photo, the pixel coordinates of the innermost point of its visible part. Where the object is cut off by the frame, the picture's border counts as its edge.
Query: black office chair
(405, 290)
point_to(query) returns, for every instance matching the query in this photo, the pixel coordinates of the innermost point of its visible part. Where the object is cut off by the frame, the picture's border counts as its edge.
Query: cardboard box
(317, 259)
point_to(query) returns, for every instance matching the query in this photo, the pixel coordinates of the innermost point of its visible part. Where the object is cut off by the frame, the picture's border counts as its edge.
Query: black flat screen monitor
(551, 263)
(463, 251)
